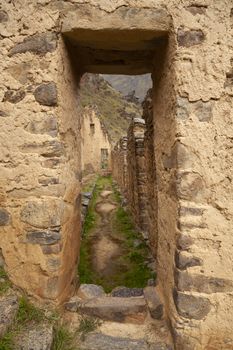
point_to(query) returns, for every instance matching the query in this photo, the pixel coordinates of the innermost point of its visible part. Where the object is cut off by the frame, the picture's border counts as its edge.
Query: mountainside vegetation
(127, 84)
(115, 112)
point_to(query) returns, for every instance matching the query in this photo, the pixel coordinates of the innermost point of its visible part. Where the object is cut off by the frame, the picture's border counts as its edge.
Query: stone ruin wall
(119, 164)
(41, 160)
(94, 138)
(136, 174)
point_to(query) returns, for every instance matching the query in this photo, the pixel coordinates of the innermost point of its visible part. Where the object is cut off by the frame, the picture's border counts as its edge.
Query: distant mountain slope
(114, 110)
(127, 83)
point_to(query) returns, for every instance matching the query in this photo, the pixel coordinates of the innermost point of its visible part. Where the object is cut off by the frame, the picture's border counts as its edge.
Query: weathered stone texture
(4, 217)
(192, 107)
(190, 38)
(43, 237)
(38, 43)
(190, 306)
(46, 94)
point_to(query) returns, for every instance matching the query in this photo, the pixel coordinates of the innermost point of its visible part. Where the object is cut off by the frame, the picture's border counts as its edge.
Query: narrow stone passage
(113, 253)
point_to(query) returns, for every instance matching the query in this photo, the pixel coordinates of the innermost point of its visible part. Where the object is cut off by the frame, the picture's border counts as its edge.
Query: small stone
(4, 217)
(46, 126)
(43, 237)
(3, 16)
(3, 114)
(87, 195)
(190, 306)
(184, 242)
(51, 249)
(125, 292)
(189, 185)
(38, 43)
(52, 148)
(85, 202)
(184, 261)
(154, 303)
(51, 163)
(203, 111)
(151, 282)
(183, 108)
(45, 181)
(197, 9)
(73, 304)
(37, 337)
(46, 94)
(88, 291)
(14, 96)
(8, 308)
(190, 37)
(191, 211)
(132, 310)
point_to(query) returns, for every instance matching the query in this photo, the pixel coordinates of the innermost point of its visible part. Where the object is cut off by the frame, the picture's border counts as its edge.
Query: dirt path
(106, 249)
(112, 252)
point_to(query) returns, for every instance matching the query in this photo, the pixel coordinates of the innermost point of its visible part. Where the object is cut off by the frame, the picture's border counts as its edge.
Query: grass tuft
(87, 325)
(5, 283)
(7, 341)
(63, 339)
(27, 312)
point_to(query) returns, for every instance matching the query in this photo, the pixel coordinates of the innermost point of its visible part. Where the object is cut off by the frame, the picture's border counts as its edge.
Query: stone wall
(136, 172)
(150, 169)
(40, 152)
(95, 139)
(119, 164)
(192, 115)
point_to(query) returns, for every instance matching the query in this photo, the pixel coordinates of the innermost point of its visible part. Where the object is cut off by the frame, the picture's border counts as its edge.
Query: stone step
(122, 305)
(99, 341)
(132, 310)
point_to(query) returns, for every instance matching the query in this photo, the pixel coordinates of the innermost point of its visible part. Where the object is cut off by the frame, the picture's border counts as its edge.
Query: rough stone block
(202, 284)
(14, 96)
(190, 37)
(38, 43)
(191, 211)
(8, 308)
(47, 126)
(203, 111)
(154, 303)
(37, 337)
(73, 304)
(52, 148)
(184, 242)
(191, 306)
(88, 291)
(46, 94)
(3, 114)
(116, 309)
(99, 341)
(125, 292)
(3, 16)
(189, 185)
(4, 217)
(51, 249)
(42, 213)
(184, 261)
(43, 237)
(197, 9)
